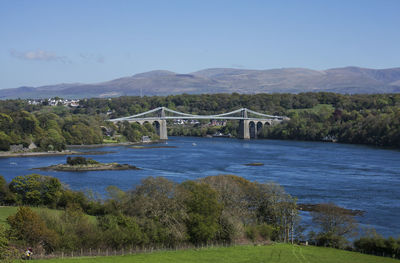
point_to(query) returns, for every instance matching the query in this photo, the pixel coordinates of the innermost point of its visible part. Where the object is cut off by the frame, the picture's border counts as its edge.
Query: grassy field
(316, 109)
(282, 253)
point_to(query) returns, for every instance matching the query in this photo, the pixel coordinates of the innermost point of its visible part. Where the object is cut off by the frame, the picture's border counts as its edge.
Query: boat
(221, 135)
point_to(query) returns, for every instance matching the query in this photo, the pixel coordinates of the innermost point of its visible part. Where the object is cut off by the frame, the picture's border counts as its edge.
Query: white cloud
(92, 57)
(40, 55)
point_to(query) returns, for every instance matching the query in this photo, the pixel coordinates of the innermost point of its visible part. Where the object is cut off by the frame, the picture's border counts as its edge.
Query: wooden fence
(101, 252)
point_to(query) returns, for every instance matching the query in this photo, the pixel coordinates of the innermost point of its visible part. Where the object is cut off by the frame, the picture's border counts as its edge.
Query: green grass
(109, 141)
(316, 109)
(282, 253)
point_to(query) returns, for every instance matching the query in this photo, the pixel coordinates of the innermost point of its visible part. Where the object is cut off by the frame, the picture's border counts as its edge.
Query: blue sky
(49, 42)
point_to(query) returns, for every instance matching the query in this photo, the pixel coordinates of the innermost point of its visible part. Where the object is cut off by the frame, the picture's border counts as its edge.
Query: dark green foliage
(6, 196)
(79, 160)
(372, 243)
(5, 141)
(203, 211)
(36, 189)
(120, 231)
(261, 232)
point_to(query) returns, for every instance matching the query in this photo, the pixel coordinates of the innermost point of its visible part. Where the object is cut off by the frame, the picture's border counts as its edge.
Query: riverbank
(111, 144)
(70, 150)
(46, 154)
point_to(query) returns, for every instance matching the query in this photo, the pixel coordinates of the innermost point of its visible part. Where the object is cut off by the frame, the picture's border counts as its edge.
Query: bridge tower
(244, 125)
(162, 127)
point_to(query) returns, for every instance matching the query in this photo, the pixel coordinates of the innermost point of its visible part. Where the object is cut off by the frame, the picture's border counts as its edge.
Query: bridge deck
(193, 118)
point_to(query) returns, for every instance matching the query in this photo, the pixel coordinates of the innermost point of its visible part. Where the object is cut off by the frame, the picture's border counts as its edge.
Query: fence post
(107, 252)
(81, 252)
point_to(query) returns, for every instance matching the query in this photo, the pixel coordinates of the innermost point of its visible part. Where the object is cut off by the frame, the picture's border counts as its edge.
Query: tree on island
(79, 160)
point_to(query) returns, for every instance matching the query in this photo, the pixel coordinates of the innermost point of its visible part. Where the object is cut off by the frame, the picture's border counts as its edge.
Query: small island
(82, 164)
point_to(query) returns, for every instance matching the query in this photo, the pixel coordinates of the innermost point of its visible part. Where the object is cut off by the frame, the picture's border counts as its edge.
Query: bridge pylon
(162, 130)
(244, 132)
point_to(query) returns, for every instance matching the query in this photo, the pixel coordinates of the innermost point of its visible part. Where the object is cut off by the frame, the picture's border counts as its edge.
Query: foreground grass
(282, 253)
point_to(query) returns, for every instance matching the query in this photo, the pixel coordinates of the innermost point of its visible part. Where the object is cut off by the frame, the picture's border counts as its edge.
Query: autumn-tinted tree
(29, 229)
(335, 225)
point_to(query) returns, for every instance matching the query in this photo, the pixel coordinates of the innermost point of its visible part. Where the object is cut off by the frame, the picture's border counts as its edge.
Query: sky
(89, 41)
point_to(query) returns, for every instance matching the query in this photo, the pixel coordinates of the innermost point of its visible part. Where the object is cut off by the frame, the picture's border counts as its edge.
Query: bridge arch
(157, 125)
(260, 126)
(252, 130)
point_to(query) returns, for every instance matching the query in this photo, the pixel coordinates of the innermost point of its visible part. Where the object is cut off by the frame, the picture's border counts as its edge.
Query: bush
(30, 230)
(80, 161)
(261, 232)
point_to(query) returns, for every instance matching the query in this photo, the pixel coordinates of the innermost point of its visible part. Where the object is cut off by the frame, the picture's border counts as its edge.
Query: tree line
(361, 118)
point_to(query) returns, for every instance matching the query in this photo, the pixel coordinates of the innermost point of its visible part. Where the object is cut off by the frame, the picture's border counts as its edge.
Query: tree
(335, 225)
(36, 189)
(276, 208)
(120, 231)
(156, 199)
(203, 209)
(5, 141)
(6, 196)
(28, 228)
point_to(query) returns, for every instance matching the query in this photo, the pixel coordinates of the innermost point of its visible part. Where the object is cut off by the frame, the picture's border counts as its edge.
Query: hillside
(225, 80)
(282, 253)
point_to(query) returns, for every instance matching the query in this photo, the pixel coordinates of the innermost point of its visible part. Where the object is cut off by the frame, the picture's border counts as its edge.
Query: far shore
(50, 153)
(73, 152)
(110, 144)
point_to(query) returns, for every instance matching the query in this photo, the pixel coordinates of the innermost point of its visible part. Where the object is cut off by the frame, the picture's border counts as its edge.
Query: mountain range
(347, 80)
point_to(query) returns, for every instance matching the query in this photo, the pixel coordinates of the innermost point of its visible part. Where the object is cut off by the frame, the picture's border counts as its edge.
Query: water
(352, 176)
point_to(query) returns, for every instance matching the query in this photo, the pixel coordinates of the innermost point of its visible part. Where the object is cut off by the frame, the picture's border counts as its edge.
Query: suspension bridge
(250, 122)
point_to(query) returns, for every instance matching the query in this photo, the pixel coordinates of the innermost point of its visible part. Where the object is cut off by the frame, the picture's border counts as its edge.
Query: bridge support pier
(162, 130)
(244, 129)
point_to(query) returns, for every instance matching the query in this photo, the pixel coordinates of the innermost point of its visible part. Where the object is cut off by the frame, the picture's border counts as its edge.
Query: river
(352, 176)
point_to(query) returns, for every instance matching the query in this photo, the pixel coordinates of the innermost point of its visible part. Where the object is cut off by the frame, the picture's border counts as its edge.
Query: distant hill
(225, 80)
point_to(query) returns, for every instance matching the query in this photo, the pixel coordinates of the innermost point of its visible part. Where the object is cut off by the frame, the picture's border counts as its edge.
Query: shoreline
(73, 152)
(110, 144)
(46, 154)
